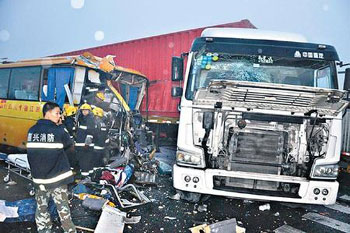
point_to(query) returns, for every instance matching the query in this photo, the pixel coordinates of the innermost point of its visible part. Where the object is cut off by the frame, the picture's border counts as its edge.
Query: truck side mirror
(177, 67)
(347, 79)
(176, 91)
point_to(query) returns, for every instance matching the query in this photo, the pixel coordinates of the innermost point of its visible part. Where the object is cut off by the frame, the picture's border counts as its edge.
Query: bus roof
(105, 64)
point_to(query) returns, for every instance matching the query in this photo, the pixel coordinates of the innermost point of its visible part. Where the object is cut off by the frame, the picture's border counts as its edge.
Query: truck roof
(257, 34)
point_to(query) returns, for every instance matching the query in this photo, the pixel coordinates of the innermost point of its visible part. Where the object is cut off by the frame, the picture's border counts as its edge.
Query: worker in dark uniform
(69, 124)
(50, 169)
(98, 99)
(101, 136)
(69, 120)
(85, 138)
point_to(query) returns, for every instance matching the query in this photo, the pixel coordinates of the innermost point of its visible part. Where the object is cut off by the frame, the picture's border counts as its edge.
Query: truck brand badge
(310, 55)
(297, 54)
(265, 59)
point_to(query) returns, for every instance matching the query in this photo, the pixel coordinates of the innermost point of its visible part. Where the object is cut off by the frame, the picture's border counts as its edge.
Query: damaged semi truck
(260, 117)
(26, 85)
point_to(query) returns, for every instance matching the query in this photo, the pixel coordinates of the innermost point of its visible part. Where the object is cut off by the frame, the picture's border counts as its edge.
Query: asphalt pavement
(164, 214)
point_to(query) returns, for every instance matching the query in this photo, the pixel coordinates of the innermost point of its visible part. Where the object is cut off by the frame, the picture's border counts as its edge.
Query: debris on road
(264, 207)
(226, 226)
(11, 183)
(175, 197)
(22, 210)
(202, 208)
(164, 168)
(145, 178)
(111, 220)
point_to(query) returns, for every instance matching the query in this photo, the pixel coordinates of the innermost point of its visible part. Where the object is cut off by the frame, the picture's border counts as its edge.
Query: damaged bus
(26, 85)
(260, 117)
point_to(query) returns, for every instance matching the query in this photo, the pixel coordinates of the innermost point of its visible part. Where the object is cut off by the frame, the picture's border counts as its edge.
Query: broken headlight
(189, 159)
(326, 171)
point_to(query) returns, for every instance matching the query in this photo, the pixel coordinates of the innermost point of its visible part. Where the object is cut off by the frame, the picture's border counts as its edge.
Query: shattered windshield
(259, 68)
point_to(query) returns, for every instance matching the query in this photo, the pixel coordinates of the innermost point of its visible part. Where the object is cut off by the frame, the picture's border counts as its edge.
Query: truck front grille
(257, 151)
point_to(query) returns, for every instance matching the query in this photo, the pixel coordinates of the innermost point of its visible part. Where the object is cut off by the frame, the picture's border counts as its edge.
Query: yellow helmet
(101, 96)
(70, 110)
(85, 107)
(98, 112)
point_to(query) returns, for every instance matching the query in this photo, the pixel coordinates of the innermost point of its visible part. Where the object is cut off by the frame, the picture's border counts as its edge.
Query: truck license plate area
(258, 187)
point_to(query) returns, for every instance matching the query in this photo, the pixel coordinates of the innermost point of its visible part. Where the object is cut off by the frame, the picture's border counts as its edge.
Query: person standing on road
(85, 139)
(100, 133)
(50, 169)
(69, 120)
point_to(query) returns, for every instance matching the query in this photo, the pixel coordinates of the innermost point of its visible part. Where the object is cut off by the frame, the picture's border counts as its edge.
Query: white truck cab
(260, 117)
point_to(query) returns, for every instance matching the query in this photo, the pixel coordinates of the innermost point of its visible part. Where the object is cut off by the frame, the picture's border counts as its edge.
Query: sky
(38, 28)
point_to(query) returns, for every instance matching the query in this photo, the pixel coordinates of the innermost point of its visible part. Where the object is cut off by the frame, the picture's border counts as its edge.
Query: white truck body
(249, 129)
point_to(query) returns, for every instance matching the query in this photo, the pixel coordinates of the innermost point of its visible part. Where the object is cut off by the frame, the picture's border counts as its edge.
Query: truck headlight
(186, 158)
(326, 171)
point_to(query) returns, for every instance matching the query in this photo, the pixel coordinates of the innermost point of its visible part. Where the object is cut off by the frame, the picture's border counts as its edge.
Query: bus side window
(54, 80)
(24, 83)
(4, 82)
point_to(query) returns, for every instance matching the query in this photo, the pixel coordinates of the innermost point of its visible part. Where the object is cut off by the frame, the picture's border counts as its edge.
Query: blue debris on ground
(166, 159)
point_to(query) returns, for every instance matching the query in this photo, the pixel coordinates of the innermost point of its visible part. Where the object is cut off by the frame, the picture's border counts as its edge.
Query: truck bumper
(202, 181)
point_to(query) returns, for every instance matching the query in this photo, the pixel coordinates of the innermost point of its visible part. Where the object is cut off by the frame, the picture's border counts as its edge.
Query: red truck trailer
(152, 57)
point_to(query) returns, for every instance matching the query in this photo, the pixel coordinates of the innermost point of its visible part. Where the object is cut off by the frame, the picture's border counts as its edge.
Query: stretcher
(18, 164)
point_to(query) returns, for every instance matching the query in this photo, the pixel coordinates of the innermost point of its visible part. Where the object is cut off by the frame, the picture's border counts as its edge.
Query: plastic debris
(83, 196)
(145, 178)
(202, 208)
(247, 201)
(277, 214)
(164, 168)
(94, 204)
(111, 220)
(133, 220)
(81, 188)
(170, 218)
(226, 226)
(264, 207)
(11, 183)
(25, 210)
(175, 197)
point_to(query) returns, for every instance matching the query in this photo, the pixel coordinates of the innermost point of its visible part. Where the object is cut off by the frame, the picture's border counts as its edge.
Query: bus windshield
(259, 68)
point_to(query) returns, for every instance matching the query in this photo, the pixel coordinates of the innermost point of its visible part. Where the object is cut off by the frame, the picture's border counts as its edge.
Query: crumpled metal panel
(272, 97)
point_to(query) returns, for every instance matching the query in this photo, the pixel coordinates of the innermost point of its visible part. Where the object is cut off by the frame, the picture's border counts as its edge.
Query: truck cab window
(259, 68)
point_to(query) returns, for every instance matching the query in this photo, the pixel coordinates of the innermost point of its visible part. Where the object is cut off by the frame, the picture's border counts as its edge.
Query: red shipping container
(152, 57)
